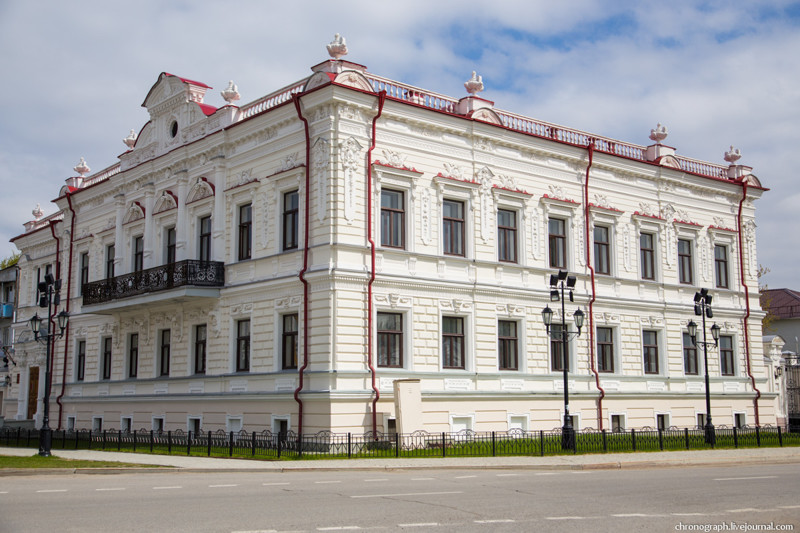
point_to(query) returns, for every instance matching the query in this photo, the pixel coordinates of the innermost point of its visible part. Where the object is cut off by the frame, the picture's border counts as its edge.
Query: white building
(351, 253)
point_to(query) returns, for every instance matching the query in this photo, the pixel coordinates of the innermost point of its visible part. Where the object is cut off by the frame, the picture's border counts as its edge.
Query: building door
(33, 391)
(792, 382)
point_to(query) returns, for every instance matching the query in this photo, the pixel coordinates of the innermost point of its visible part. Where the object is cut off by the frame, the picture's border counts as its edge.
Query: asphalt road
(668, 499)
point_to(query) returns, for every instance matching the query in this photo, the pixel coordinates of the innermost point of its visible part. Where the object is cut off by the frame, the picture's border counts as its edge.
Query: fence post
(299, 445)
(494, 445)
(541, 442)
(119, 439)
(152, 437)
(104, 439)
(686, 432)
(280, 442)
(76, 439)
(735, 437)
(661, 439)
(169, 441)
(254, 444)
(444, 445)
(189, 443)
(208, 444)
(397, 444)
(780, 437)
(758, 437)
(91, 439)
(19, 434)
(230, 444)
(633, 439)
(605, 440)
(349, 445)
(134, 440)
(64, 439)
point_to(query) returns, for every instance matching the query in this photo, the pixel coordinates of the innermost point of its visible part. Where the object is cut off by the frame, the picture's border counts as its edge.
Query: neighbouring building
(782, 349)
(8, 303)
(350, 253)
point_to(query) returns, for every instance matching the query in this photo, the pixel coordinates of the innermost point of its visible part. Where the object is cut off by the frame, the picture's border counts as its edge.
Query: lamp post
(49, 297)
(559, 283)
(702, 308)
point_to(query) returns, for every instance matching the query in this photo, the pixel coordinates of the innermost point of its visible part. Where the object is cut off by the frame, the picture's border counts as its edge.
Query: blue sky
(717, 73)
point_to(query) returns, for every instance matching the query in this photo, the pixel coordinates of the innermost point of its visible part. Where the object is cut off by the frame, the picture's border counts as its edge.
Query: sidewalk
(741, 456)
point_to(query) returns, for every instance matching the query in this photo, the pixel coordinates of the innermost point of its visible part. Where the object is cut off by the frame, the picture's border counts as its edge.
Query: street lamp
(49, 297)
(559, 283)
(702, 307)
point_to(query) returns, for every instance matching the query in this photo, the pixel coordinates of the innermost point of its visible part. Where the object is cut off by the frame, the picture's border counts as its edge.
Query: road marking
(407, 494)
(108, 490)
(464, 477)
(337, 528)
(219, 486)
(421, 479)
(580, 473)
(167, 488)
(4, 492)
(743, 478)
(745, 510)
(546, 474)
(564, 517)
(507, 475)
(258, 531)
(779, 507)
(688, 514)
(52, 490)
(421, 524)
(376, 479)
(637, 515)
(273, 484)
(497, 521)
(326, 482)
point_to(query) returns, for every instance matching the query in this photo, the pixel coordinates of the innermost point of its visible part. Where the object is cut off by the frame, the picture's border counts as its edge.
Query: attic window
(173, 129)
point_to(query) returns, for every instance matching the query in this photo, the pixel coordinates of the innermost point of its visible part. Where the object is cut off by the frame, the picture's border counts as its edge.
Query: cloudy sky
(717, 73)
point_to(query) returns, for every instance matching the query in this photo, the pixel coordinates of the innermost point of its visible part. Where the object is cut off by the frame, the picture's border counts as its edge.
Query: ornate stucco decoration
(320, 163)
(350, 154)
(659, 133)
(484, 177)
(289, 162)
(130, 140)
(474, 85)
(165, 202)
(733, 155)
(135, 212)
(201, 189)
(337, 47)
(82, 168)
(231, 93)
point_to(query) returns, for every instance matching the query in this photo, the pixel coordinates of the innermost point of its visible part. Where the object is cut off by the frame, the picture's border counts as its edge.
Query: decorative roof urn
(130, 140)
(231, 93)
(474, 85)
(337, 47)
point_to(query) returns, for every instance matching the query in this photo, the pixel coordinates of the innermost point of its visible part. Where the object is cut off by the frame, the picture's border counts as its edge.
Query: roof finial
(337, 47)
(733, 155)
(130, 140)
(474, 84)
(231, 93)
(37, 212)
(659, 133)
(81, 168)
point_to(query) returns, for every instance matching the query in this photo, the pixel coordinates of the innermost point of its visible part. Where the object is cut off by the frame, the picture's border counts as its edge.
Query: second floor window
(605, 350)
(390, 340)
(80, 362)
(647, 255)
(685, 261)
(106, 369)
(721, 266)
(602, 245)
(204, 239)
(392, 219)
(289, 342)
(84, 269)
(133, 355)
(165, 353)
(453, 227)
(110, 253)
(650, 351)
(245, 231)
(689, 356)
(557, 242)
(558, 356)
(200, 349)
(506, 236)
(291, 211)
(453, 342)
(138, 253)
(242, 345)
(507, 344)
(170, 239)
(726, 367)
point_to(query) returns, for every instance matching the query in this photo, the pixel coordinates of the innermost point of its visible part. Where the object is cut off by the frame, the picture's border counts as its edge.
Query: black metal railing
(189, 272)
(325, 444)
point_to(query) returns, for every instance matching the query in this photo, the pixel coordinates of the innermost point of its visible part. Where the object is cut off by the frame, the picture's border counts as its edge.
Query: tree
(9, 261)
(765, 299)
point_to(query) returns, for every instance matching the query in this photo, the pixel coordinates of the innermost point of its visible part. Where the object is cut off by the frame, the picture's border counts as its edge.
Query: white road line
(376, 479)
(507, 475)
(637, 515)
(580, 473)
(743, 478)
(407, 494)
(421, 479)
(108, 490)
(219, 486)
(789, 507)
(258, 531)
(4, 492)
(745, 510)
(564, 517)
(326, 482)
(688, 514)
(273, 484)
(52, 490)
(337, 528)
(167, 488)
(421, 524)
(464, 477)
(497, 521)
(546, 474)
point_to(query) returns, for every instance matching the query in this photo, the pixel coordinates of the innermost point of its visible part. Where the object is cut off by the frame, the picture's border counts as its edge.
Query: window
(605, 350)
(170, 239)
(685, 261)
(107, 358)
(650, 349)
(133, 355)
(617, 423)
(164, 353)
(194, 425)
(138, 253)
(721, 266)
(557, 355)
(726, 355)
(204, 244)
(701, 420)
(291, 209)
(71, 423)
(243, 345)
(507, 345)
(453, 227)
(390, 340)
(506, 236)
(126, 423)
(689, 356)
(453, 342)
(647, 255)
(245, 231)
(97, 424)
(158, 425)
(662, 421)
(84, 269)
(110, 252)
(200, 349)
(393, 218)
(80, 361)
(557, 240)
(289, 343)
(602, 245)
(739, 420)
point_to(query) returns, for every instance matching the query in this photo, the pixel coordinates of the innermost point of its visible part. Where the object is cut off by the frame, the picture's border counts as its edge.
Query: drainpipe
(69, 292)
(51, 323)
(371, 240)
(592, 362)
(746, 300)
(302, 274)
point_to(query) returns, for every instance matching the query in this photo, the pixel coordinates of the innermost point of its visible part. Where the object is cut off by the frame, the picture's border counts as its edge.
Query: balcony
(176, 281)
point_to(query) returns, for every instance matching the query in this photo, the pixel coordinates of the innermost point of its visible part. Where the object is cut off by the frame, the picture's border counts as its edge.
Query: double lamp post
(49, 297)
(702, 308)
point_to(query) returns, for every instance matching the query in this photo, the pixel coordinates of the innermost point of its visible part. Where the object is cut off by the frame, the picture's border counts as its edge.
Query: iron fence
(326, 444)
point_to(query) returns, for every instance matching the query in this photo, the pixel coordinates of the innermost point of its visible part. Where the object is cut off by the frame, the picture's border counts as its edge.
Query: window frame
(289, 341)
(457, 239)
(727, 356)
(164, 352)
(242, 363)
(204, 237)
(721, 271)
(170, 245)
(602, 250)
(508, 346)
(647, 256)
(133, 355)
(137, 247)
(508, 237)
(107, 352)
(686, 262)
(111, 252)
(290, 221)
(559, 347)
(200, 351)
(84, 270)
(80, 360)
(245, 232)
(651, 353)
(452, 342)
(557, 243)
(604, 346)
(387, 338)
(690, 355)
(396, 218)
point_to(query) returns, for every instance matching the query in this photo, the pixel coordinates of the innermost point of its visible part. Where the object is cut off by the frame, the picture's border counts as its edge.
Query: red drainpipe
(592, 361)
(746, 300)
(302, 274)
(51, 323)
(381, 100)
(69, 292)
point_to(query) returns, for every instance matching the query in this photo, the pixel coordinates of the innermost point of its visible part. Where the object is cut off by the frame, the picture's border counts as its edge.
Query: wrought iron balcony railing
(188, 273)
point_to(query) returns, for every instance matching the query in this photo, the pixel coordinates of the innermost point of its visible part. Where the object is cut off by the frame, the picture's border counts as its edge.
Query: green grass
(36, 461)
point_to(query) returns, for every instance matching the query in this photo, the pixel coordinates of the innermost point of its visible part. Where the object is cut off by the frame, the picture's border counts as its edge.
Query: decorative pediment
(486, 115)
(165, 202)
(135, 212)
(201, 189)
(169, 86)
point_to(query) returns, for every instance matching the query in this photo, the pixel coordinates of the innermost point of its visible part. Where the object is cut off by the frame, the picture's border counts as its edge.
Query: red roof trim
(207, 110)
(187, 80)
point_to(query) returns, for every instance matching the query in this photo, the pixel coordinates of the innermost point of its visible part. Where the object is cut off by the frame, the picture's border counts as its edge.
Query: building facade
(350, 253)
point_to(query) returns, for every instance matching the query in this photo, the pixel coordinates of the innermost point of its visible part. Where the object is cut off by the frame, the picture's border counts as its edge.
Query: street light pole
(702, 307)
(559, 283)
(49, 297)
